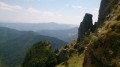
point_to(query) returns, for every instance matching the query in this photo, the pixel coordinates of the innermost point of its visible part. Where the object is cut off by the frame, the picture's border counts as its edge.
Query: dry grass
(75, 61)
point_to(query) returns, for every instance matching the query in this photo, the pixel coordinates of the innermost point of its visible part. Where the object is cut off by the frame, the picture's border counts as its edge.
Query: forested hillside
(66, 35)
(40, 55)
(97, 45)
(14, 44)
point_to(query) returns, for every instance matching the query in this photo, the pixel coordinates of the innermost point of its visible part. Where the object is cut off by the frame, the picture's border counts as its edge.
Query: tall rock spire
(86, 27)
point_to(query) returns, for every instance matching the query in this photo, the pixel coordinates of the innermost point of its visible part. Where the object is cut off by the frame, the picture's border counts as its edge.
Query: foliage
(40, 55)
(2, 64)
(104, 49)
(14, 44)
(65, 53)
(86, 40)
(75, 61)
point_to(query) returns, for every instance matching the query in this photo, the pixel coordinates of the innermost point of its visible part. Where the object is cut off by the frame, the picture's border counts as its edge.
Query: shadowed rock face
(106, 8)
(103, 49)
(86, 27)
(103, 10)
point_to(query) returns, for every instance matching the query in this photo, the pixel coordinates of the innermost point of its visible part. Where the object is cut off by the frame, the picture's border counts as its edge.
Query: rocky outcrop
(65, 53)
(86, 27)
(103, 11)
(103, 49)
(62, 56)
(107, 7)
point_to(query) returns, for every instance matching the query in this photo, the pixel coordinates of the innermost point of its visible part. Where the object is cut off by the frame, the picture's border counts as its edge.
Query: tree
(40, 55)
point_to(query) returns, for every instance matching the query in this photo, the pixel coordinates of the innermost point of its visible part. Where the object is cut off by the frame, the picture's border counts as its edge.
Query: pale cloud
(4, 6)
(95, 13)
(35, 15)
(32, 10)
(42, 13)
(44, 16)
(67, 5)
(32, 0)
(76, 6)
(48, 13)
(95, 10)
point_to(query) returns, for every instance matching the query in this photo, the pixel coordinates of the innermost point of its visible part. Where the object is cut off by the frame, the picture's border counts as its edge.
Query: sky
(44, 11)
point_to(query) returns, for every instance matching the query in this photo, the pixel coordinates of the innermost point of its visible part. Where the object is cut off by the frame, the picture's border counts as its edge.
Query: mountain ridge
(37, 26)
(14, 44)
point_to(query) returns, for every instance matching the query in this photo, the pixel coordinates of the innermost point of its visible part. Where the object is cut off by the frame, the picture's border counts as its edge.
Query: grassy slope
(104, 51)
(75, 61)
(112, 20)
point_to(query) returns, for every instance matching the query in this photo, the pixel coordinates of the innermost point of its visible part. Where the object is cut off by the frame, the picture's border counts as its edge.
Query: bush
(40, 55)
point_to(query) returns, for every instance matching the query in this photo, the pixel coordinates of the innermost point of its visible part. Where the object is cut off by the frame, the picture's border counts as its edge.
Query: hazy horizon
(45, 11)
(38, 23)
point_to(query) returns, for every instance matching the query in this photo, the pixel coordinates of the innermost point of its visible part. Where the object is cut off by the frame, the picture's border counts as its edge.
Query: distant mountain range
(37, 26)
(16, 38)
(14, 44)
(65, 35)
(65, 32)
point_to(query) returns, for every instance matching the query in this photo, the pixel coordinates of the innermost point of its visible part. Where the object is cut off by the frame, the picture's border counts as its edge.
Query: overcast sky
(37, 11)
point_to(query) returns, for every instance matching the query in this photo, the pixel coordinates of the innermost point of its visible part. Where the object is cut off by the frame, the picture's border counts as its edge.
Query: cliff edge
(103, 49)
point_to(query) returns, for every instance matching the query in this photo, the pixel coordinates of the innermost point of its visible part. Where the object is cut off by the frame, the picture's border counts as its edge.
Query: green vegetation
(111, 41)
(69, 56)
(104, 48)
(40, 55)
(99, 49)
(65, 53)
(74, 61)
(14, 44)
(2, 64)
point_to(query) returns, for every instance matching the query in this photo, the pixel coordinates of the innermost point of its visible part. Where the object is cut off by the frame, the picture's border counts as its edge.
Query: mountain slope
(1, 62)
(103, 49)
(40, 55)
(65, 35)
(74, 61)
(65, 32)
(14, 44)
(36, 26)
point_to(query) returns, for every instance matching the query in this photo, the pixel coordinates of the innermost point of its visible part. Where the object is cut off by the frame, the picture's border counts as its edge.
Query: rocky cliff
(103, 49)
(100, 48)
(107, 11)
(86, 26)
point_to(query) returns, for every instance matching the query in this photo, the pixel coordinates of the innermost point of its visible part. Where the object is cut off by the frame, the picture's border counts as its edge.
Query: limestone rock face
(103, 49)
(106, 8)
(103, 10)
(86, 26)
